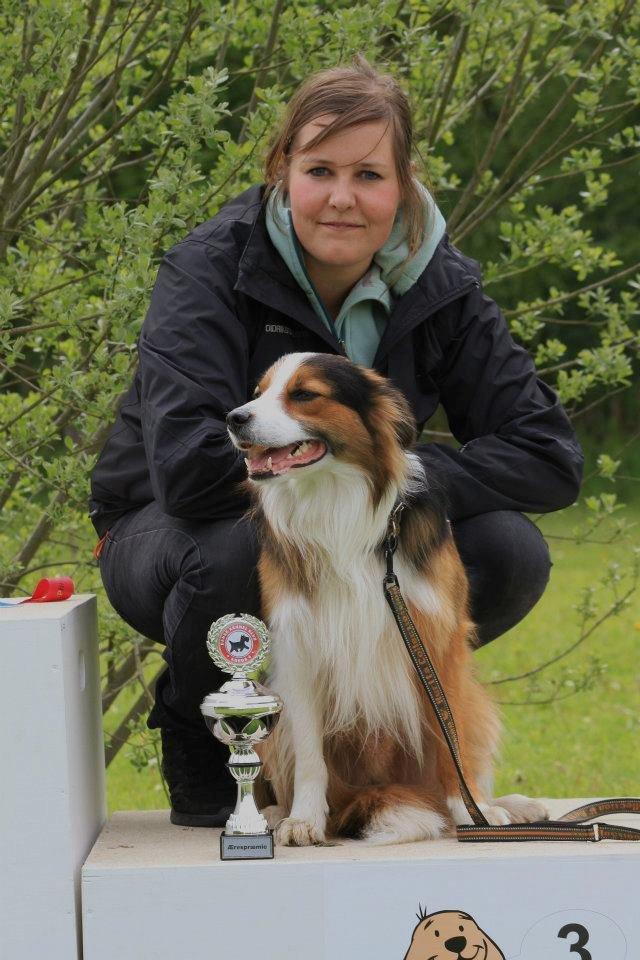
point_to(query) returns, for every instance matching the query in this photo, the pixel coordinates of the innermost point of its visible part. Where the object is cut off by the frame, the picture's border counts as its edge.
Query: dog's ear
(404, 425)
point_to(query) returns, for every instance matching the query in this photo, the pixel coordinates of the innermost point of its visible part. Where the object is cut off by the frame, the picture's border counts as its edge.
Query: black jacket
(225, 306)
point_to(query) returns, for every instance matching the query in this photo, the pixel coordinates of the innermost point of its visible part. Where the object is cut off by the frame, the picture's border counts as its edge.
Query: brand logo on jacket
(280, 328)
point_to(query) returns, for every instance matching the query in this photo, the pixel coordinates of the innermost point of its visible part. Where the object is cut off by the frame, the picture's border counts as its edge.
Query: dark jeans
(170, 578)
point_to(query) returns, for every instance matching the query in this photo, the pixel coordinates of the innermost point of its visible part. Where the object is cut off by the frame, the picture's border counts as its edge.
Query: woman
(342, 250)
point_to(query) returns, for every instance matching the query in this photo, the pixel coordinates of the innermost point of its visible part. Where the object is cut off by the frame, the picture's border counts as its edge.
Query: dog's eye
(303, 395)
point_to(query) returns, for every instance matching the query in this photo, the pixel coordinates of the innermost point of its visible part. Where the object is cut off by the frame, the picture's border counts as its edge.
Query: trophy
(241, 714)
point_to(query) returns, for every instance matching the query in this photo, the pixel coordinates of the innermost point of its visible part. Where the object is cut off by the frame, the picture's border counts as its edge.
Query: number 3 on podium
(578, 946)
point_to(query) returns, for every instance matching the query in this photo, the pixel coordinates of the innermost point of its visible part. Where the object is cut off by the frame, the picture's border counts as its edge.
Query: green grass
(581, 746)
(587, 744)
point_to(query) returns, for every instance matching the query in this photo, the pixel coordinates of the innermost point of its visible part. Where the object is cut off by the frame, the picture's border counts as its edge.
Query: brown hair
(356, 94)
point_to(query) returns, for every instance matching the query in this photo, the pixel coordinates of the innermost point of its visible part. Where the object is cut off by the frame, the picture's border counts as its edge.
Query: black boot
(202, 791)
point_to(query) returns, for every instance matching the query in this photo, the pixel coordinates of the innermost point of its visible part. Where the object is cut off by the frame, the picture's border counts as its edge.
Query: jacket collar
(264, 276)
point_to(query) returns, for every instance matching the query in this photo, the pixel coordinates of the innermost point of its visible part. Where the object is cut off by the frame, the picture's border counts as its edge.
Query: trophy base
(252, 846)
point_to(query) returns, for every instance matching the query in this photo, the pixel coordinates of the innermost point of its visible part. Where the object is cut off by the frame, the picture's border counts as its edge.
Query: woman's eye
(303, 395)
(364, 174)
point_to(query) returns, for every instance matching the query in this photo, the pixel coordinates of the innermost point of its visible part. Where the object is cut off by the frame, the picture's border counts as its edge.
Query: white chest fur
(346, 641)
(342, 643)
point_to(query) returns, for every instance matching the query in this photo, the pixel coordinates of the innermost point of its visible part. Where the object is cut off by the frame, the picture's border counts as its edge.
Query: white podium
(52, 802)
(153, 890)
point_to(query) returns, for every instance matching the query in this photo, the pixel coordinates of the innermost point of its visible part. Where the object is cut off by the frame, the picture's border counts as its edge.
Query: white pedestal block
(153, 890)
(52, 801)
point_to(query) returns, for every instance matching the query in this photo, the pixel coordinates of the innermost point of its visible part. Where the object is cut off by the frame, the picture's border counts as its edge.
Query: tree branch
(271, 42)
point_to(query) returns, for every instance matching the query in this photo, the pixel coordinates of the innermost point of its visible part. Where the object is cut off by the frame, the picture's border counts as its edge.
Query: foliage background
(124, 124)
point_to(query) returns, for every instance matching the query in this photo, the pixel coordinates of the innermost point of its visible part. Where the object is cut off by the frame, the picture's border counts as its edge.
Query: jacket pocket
(99, 547)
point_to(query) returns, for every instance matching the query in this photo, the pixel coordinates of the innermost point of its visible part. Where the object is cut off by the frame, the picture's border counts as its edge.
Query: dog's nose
(456, 944)
(238, 417)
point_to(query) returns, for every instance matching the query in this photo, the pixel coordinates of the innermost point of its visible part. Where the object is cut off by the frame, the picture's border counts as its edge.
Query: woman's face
(344, 193)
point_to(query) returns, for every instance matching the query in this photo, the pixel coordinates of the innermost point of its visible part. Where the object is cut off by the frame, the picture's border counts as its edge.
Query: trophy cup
(241, 714)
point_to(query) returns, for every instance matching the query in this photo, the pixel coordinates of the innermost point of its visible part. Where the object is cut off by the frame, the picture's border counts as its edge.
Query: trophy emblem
(241, 714)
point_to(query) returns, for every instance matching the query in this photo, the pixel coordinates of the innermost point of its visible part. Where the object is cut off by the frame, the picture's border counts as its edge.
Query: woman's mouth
(342, 226)
(274, 461)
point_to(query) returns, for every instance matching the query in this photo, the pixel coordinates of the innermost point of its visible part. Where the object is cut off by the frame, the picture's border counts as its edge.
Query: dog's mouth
(274, 461)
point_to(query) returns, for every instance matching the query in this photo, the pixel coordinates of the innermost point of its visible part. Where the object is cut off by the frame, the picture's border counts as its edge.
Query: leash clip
(393, 524)
(391, 540)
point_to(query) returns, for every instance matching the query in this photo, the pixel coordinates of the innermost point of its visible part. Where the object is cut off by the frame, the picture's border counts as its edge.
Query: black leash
(572, 825)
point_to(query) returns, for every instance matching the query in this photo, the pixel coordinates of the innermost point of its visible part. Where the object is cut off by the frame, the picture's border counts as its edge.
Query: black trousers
(170, 578)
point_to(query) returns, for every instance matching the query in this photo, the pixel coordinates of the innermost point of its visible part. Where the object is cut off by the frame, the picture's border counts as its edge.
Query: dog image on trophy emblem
(237, 646)
(327, 444)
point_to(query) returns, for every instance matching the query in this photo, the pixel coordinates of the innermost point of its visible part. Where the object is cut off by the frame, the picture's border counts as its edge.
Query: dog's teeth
(269, 463)
(247, 463)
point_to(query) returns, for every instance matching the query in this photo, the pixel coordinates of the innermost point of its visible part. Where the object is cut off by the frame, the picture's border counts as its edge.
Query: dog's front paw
(298, 833)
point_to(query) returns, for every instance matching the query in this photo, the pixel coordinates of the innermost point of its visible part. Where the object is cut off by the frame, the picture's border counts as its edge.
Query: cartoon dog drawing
(237, 646)
(451, 935)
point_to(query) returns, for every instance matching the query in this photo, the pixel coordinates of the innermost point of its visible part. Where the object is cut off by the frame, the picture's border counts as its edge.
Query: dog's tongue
(276, 460)
(260, 464)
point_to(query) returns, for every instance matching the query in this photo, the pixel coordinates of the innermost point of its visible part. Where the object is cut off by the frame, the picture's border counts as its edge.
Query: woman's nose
(342, 196)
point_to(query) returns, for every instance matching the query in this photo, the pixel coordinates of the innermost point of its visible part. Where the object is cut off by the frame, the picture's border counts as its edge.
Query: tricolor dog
(357, 752)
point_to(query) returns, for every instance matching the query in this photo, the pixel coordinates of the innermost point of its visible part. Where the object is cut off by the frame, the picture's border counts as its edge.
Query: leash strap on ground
(572, 825)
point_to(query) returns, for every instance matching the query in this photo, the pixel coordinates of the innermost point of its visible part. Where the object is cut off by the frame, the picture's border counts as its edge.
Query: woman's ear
(283, 176)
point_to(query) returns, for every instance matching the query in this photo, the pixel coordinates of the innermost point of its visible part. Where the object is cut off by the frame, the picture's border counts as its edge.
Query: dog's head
(313, 410)
(451, 935)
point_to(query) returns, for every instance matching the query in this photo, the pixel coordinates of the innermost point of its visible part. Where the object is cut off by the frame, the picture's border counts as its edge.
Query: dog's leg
(514, 808)
(394, 813)
(306, 823)
(404, 823)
